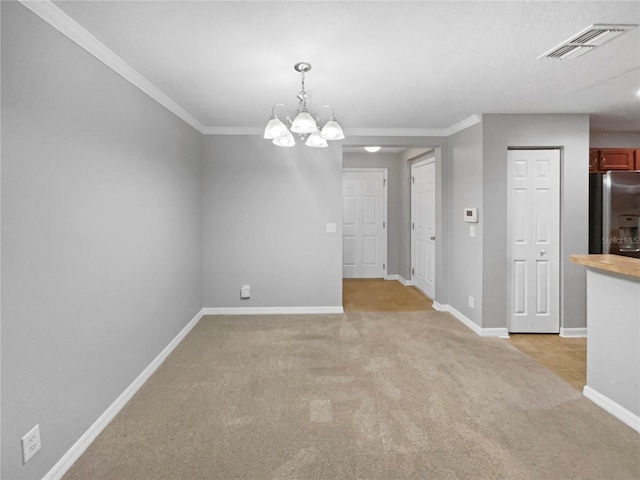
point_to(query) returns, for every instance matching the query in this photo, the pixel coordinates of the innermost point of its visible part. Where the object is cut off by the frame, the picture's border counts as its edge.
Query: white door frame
(420, 163)
(385, 189)
(555, 297)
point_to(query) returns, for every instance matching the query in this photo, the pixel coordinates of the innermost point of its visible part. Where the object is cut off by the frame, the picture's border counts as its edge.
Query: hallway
(378, 295)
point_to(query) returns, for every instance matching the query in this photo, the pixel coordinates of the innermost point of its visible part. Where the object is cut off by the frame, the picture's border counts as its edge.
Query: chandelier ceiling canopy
(303, 124)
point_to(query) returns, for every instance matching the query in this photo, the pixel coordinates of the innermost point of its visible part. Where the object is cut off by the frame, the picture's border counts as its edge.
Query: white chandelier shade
(286, 140)
(275, 128)
(303, 124)
(316, 140)
(332, 130)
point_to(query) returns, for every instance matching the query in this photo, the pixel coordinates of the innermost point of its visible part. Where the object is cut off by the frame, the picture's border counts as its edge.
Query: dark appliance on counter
(614, 213)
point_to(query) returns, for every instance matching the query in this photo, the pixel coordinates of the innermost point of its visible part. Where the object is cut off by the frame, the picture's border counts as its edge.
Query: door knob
(432, 238)
(543, 252)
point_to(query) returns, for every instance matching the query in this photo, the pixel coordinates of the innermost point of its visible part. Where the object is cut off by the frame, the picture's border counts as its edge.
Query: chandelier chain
(304, 97)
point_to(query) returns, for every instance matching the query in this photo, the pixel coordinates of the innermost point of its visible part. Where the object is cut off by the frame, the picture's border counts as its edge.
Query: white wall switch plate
(331, 228)
(245, 291)
(470, 301)
(31, 444)
(472, 231)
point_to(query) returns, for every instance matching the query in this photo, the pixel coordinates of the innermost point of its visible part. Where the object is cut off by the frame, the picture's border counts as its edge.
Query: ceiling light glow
(372, 149)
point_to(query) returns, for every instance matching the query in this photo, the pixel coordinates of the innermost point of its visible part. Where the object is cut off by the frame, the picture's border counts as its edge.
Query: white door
(423, 226)
(533, 241)
(364, 233)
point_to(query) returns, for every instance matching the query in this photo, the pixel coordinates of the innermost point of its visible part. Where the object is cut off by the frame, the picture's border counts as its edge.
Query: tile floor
(378, 295)
(566, 357)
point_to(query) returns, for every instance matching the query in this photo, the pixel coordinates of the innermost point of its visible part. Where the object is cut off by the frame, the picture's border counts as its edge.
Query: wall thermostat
(471, 215)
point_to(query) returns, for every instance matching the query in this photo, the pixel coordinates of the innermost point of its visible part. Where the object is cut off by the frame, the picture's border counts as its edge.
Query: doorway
(533, 241)
(396, 160)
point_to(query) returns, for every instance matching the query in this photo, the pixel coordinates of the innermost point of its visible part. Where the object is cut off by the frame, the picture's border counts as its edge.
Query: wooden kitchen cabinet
(637, 159)
(617, 159)
(604, 159)
(594, 156)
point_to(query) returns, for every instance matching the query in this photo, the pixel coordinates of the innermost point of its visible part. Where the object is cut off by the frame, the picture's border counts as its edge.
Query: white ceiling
(383, 65)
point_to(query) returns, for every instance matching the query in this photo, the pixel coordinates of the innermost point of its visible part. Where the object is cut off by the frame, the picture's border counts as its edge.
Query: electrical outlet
(470, 301)
(245, 291)
(31, 444)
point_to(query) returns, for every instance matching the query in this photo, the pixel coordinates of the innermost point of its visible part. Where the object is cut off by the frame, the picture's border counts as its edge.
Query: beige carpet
(364, 395)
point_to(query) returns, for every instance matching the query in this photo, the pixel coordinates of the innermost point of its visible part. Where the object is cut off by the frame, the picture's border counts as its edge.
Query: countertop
(611, 263)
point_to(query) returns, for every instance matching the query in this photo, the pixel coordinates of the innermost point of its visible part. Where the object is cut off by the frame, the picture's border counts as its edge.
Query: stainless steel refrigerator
(614, 213)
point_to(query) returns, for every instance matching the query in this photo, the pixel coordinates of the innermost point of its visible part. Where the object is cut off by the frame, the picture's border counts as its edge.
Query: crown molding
(352, 132)
(364, 132)
(396, 132)
(233, 131)
(466, 123)
(415, 132)
(66, 25)
(62, 22)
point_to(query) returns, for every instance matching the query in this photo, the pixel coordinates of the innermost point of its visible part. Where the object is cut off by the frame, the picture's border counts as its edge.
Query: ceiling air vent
(586, 40)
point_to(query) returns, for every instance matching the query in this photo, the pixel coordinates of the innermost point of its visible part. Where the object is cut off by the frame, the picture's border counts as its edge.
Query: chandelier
(304, 124)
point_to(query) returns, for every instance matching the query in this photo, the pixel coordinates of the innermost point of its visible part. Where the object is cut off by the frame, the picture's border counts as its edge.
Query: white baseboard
(439, 307)
(406, 283)
(270, 310)
(573, 332)
(618, 411)
(78, 448)
(483, 332)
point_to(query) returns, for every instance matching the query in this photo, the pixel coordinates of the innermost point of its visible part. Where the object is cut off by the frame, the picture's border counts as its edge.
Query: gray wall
(614, 140)
(265, 215)
(465, 183)
(571, 134)
(101, 237)
(393, 163)
(119, 222)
